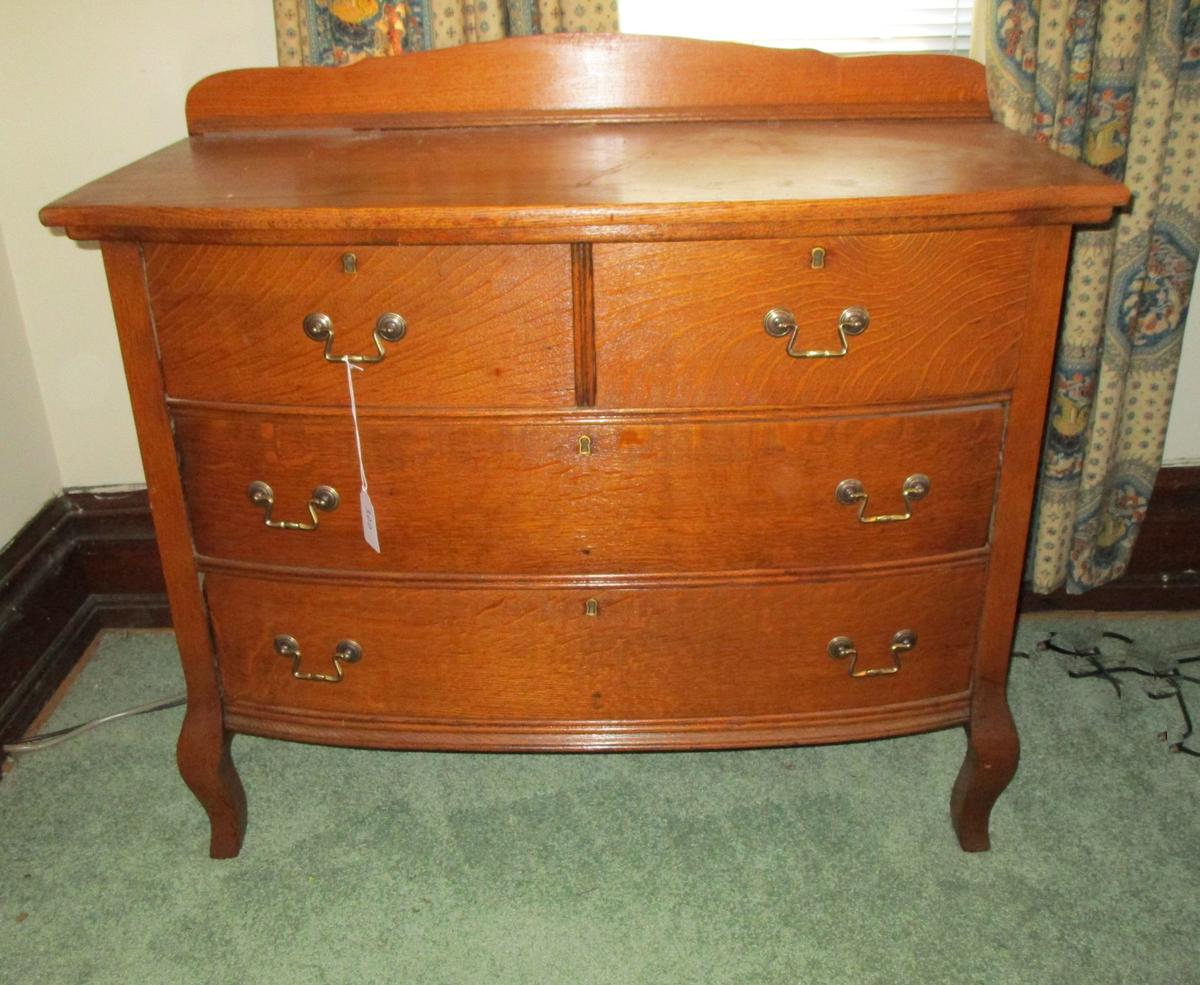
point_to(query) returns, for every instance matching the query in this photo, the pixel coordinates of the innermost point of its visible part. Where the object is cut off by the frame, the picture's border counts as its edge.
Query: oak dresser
(696, 390)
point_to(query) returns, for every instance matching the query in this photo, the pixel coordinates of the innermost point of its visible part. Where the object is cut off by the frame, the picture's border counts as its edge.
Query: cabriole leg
(208, 770)
(991, 760)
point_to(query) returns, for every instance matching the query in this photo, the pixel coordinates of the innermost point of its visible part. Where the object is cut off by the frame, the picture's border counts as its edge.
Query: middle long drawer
(591, 496)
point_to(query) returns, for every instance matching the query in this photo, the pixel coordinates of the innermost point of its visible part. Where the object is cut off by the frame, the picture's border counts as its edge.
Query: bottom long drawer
(721, 654)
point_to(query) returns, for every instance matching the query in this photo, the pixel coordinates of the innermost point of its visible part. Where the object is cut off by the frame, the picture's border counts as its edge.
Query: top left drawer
(485, 326)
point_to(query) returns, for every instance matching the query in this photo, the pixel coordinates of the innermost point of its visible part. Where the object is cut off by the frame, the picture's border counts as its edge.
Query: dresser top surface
(582, 138)
(590, 181)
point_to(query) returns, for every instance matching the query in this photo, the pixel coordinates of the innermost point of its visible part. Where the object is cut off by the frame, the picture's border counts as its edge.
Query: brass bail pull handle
(389, 327)
(324, 499)
(779, 322)
(345, 652)
(851, 491)
(841, 647)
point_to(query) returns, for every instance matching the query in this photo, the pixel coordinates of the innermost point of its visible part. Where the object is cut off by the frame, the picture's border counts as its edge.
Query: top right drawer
(735, 323)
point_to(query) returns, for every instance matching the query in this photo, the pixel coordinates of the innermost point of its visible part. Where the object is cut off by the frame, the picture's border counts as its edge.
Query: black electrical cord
(48, 740)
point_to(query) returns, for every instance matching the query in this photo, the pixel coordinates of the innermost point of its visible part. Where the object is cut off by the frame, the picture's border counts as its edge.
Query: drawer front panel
(649, 653)
(486, 325)
(681, 324)
(503, 497)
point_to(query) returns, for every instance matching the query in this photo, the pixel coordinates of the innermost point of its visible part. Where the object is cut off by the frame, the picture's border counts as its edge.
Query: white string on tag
(365, 507)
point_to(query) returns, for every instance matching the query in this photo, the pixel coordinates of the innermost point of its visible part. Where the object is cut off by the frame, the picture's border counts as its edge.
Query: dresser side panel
(203, 749)
(1022, 450)
(993, 746)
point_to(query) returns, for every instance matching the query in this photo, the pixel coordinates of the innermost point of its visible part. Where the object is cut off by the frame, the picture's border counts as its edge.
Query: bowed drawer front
(648, 496)
(660, 656)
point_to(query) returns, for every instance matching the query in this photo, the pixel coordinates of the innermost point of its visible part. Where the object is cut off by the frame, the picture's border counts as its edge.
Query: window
(841, 26)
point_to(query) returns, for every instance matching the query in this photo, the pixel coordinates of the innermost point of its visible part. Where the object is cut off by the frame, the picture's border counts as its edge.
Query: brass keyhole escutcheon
(585, 444)
(591, 607)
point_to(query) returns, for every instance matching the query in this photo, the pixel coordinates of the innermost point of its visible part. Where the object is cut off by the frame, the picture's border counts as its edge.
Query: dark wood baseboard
(88, 561)
(1164, 572)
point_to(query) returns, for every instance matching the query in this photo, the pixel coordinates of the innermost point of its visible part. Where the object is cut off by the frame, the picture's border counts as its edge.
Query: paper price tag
(365, 507)
(370, 531)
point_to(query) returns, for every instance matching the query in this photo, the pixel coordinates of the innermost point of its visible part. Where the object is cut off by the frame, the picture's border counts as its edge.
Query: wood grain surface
(565, 78)
(498, 497)
(487, 325)
(648, 181)
(651, 654)
(203, 748)
(946, 313)
(990, 761)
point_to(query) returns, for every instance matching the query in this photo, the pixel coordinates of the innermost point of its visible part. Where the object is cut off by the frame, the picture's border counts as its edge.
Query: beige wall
(28, 468)
(85, 92)
(1183, 431)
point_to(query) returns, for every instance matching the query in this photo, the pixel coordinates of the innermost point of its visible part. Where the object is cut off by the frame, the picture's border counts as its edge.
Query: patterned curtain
(338, 32)
(1116, 84)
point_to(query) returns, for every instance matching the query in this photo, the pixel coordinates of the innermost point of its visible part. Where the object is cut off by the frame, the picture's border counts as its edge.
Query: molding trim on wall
(1164, 572)
(87, 561)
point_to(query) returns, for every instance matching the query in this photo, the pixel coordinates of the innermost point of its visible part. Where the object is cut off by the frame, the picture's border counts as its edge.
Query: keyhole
(585, 445)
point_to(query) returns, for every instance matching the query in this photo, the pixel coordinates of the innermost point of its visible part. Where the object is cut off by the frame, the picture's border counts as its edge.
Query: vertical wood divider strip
(583, 310)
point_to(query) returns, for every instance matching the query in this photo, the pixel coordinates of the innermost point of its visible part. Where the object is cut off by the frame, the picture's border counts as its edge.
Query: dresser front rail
(810, 729)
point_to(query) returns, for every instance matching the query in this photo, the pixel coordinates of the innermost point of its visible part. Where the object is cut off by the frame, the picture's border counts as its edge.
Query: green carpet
(820, 865)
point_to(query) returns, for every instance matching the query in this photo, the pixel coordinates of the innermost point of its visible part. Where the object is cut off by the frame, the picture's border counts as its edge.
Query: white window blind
(840, 26)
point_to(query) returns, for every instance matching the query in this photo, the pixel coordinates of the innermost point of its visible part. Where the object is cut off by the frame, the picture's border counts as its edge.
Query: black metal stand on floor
(1162, 672)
